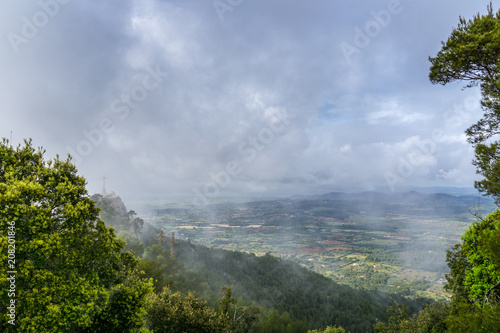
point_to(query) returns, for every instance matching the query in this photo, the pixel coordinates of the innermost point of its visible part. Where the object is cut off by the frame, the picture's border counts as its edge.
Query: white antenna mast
(103, 185)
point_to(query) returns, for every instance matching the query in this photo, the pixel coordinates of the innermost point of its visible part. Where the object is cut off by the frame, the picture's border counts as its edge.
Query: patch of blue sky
(329, 113)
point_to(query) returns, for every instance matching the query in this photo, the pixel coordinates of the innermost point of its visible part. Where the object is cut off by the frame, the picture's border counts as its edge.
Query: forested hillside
(267, 281)
(286, 286)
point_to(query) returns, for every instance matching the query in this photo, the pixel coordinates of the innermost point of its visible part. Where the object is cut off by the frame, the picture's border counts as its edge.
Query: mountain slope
(287, 286)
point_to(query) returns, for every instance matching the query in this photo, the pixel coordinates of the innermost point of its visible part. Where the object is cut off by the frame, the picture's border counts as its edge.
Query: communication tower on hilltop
(164, 238)
(103, 186)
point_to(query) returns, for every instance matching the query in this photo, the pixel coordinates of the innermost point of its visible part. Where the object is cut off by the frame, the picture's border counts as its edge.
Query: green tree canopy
(475, 274)
(472, 54)
(72, 274)
(474, 281)
(171, 312)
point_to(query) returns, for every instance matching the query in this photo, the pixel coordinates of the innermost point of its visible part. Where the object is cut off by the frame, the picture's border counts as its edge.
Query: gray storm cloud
(170, 97)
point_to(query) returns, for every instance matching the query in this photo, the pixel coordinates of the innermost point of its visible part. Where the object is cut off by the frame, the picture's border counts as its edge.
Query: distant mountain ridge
(405, 197)
(412, 203)
(460, 191)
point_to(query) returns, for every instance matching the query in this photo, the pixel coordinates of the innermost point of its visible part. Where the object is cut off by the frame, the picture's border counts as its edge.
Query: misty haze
(242, 166)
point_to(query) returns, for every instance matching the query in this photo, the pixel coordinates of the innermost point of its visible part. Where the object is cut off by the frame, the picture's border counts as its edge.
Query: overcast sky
(209, 99)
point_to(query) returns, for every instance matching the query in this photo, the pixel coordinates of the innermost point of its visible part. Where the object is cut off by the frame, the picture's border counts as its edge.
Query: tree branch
(489, 291)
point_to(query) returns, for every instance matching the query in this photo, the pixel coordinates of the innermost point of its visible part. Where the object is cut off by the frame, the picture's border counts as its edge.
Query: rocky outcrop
(113, 201)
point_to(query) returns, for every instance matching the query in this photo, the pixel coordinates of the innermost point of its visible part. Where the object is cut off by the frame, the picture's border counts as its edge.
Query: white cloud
(230, 80)
(392, 111)
(345, 148)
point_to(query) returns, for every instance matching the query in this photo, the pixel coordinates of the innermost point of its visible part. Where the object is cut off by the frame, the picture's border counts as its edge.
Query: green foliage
(329, 329)
(167, 271)
(487, 161)
(241, 316)
(474, 281)
(125, 299)
(287, 287)
(114, 213)
(442, 317)
(70, 266)
(226, 301)
(431, 319)
(458, 263)
(282, 323)
(399, 320)
(132, 243)
(244, 316)
(491, 244)
(472, 54)
(155, 271)
(171, 312)
(483, 273)
(474, 271)
(469, 318)
(135, 223)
